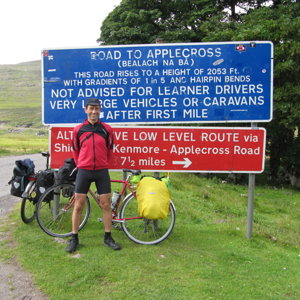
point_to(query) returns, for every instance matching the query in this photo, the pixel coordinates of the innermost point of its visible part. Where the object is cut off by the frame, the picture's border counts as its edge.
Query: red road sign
(60, 145)
(179, 149)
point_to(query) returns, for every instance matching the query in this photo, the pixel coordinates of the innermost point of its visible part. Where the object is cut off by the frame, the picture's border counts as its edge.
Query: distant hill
(20, 95)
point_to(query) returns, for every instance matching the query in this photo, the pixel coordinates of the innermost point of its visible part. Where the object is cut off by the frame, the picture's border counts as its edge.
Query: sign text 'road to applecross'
(178, 149)
(160, 83)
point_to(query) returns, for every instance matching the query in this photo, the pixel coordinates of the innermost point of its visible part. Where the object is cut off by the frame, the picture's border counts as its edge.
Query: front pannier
(67, 172)
(45, 179)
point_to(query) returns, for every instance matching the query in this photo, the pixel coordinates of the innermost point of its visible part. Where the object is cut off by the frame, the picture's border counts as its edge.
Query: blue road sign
(160, 83)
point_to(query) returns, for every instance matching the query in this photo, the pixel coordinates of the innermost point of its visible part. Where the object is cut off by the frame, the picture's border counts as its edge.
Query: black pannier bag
(21, 172)
(18, 185)
(67, 172)
(45, 179)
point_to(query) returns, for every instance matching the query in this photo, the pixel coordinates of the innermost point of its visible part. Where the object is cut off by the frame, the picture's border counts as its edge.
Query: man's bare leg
(76, 219)
(77, 212)
(104, 200)
(105, 203)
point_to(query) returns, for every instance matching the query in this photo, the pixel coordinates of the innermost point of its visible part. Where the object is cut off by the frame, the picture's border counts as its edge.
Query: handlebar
(46, 154)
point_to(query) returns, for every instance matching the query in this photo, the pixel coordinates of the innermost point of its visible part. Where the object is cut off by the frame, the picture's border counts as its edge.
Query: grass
(206, 257)
(23, 141)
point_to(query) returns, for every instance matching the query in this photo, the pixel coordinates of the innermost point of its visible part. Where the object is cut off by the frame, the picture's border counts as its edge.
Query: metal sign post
(251, 189)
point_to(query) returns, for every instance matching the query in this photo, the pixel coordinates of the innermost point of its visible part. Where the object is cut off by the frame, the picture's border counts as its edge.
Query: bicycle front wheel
(145, 231)
(27, 210)
(54, 210)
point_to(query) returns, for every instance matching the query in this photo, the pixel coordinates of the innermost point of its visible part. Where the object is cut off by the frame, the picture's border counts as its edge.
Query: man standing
(92, 147)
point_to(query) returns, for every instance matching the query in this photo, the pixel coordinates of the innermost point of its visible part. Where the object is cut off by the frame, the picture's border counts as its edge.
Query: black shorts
(84, 179)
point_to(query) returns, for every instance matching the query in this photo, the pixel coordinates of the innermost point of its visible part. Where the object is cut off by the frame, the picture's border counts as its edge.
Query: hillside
(21, 128)
(20, 95)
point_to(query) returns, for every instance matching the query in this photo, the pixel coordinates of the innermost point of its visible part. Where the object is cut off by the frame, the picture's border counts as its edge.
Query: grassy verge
(206, 257)
(23, 141)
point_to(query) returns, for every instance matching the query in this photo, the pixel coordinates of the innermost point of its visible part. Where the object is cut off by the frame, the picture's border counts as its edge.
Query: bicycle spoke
(55, 208)
(145, 231)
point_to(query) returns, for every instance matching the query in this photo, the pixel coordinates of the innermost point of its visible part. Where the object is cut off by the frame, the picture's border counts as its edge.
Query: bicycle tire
(145, 231)
(28, 210)
(54, 210)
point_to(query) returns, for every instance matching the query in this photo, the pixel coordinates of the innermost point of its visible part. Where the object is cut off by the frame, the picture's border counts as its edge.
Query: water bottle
(114, 199)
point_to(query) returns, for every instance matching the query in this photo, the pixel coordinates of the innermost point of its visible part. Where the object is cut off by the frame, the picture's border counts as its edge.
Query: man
(92, 147)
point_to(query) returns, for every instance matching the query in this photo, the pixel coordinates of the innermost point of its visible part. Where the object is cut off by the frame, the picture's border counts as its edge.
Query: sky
(29, 26)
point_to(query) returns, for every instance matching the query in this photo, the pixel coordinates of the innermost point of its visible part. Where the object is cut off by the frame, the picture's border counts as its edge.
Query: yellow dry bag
(153, 198)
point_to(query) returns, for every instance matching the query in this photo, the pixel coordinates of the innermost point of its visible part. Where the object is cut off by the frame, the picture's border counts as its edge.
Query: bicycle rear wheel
(145, 231)
(54, 210)
(27, 210)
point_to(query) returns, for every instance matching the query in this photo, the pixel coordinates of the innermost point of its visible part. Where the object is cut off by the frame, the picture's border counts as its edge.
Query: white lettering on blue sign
(179, 83)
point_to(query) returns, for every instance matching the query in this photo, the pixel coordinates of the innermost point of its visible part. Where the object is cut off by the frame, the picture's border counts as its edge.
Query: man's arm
(110, 144)
(75, 145)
